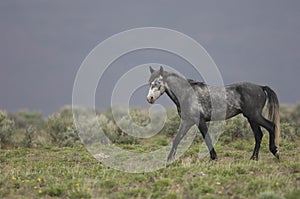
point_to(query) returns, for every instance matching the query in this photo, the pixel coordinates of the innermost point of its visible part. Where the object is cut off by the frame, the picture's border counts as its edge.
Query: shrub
(237, 128)
(172, 123)
(289, 132)
(290, 114)
(23, 137)
(7, 128)
(61, 128)
(29, 129)
(25, 119)
(295, 115)
(114, 132)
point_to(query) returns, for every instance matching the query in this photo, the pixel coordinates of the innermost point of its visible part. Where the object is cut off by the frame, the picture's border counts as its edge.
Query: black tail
(273, 105)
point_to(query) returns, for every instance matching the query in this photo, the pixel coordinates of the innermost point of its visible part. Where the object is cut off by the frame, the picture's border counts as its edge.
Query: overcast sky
(43, 43)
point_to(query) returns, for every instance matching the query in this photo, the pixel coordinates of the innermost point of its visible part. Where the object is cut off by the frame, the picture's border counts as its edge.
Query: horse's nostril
(150, 100)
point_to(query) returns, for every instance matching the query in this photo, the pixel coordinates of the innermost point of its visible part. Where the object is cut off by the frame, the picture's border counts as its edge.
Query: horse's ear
(151, 69)
(161, 70)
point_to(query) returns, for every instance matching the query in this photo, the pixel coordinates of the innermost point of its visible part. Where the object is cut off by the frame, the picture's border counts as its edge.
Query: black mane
(195, 83)
(190, 81)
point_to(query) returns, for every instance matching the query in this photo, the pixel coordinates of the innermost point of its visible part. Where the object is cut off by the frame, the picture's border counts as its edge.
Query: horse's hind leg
(258, 136)
(270, 126)
(204, 131)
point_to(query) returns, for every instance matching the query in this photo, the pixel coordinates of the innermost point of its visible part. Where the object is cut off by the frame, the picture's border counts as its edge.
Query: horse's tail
(273, 106)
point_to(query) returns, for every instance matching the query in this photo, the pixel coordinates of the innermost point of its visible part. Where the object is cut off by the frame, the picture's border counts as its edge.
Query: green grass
(74, 173)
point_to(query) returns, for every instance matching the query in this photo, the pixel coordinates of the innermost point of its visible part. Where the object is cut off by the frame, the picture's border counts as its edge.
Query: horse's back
(252, 96)
(242, 97)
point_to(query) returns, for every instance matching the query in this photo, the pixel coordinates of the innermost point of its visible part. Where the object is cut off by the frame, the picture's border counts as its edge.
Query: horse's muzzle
(150, 100)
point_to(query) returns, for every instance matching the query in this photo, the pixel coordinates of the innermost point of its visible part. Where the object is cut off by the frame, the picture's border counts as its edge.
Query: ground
(51, 172)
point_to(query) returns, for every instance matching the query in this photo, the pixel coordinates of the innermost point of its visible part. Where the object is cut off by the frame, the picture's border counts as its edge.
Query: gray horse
(198, 103)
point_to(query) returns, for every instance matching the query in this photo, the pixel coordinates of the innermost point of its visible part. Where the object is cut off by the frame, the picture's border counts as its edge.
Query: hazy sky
(43, 43)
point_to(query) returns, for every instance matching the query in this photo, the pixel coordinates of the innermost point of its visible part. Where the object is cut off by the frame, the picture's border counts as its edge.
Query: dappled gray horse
(196, 102)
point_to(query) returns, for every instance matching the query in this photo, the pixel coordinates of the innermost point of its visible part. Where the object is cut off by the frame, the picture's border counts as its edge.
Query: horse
(194, 105)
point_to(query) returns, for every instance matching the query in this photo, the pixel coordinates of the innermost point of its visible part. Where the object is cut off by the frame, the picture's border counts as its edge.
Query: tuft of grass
(75, 194)
(269, 195)
(295, 194)
(4, 193)
(54, 191)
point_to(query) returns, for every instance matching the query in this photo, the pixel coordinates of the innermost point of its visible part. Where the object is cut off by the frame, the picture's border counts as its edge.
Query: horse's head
(157, 85)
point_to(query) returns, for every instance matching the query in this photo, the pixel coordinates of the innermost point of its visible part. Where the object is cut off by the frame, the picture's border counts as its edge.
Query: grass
(73, 173)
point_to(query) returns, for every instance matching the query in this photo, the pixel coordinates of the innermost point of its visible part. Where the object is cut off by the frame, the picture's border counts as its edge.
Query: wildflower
(35, 187)
(13, 178)
(77, 185)
(40, 191)
(218, 183)
(220, 192)
(277, 184)
(251, 172)
(39, 180)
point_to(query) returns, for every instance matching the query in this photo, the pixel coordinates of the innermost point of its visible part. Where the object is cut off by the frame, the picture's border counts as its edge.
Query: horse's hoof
(170, 159)
(168, 164)
(214, 158)
(277, 155)
(254, 158)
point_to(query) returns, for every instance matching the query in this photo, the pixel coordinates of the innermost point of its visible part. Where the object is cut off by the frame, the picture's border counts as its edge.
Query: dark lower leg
(204, 131)
(270, 126)
(272, 146)
(258, 136)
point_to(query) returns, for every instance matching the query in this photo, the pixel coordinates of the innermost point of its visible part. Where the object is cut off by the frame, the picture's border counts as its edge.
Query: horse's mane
(195, 83)
(190, 81)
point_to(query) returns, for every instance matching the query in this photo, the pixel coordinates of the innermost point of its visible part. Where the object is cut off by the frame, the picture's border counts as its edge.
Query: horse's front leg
(183, 129)
(204, 131)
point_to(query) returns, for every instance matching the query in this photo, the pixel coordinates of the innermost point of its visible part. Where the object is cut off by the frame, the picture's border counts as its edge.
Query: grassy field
(51, 172)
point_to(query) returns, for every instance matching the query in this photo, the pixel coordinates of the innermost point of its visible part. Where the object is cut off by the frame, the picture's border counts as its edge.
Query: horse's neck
(176, 86)
(173, 97)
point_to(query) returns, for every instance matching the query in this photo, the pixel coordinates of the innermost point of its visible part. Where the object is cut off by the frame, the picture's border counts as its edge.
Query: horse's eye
(151, 84)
